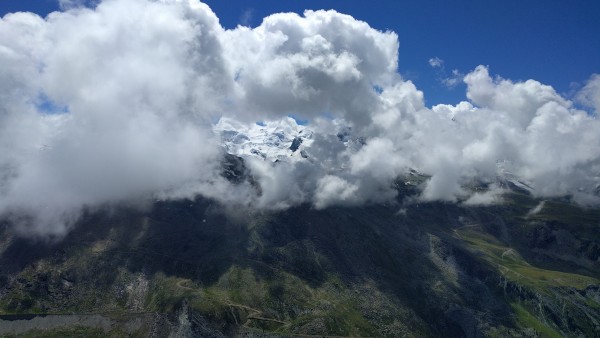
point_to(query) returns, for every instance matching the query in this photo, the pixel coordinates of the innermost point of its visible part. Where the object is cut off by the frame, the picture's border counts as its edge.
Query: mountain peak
(269, 140)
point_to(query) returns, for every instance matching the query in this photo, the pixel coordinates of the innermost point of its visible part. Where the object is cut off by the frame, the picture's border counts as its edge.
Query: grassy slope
(552, 283)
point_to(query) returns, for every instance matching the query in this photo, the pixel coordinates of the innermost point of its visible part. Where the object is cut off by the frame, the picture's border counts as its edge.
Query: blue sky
(554, 42)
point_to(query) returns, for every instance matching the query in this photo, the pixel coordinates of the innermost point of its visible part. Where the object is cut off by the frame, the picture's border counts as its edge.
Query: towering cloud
(139, 82)
(118, 103)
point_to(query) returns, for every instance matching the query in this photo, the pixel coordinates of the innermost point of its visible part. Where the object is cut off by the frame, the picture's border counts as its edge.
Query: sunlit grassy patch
(512, 266)
(526, 320)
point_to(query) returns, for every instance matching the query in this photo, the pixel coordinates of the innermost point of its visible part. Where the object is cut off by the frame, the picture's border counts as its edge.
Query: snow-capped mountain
(286, 140)
(271, 140)
(507, 179)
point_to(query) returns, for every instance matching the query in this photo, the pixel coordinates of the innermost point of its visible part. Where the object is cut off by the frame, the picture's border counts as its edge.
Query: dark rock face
(234, 168)
(344, 135)
(295, 144)
(542, 237)
(591, 250)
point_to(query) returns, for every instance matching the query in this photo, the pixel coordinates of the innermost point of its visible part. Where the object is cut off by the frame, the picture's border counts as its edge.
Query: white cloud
(449, 80)
(454, 79)
(322, 62)
(589, 95)
(144, 82)
(74, 4)
(436, 62)
(246, 17)
(137, 91)
(334, 190)
(537, 209)
(491, 196)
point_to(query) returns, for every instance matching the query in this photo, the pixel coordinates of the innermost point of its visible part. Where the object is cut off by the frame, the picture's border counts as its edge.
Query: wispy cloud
(448, 80)
(589, 95)
(436, 62)
(247, 17)
(454, 79)
(70, 4)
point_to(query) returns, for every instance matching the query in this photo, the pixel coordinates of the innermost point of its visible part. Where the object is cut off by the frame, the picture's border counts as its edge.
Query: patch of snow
(270, 140)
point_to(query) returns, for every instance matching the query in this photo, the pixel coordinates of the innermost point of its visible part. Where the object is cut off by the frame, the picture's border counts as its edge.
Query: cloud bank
(117, 103)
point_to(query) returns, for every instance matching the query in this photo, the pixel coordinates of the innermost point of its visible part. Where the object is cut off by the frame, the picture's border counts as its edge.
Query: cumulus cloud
(118, 103)
(140, 80)
(322, 62)
(334, 190)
